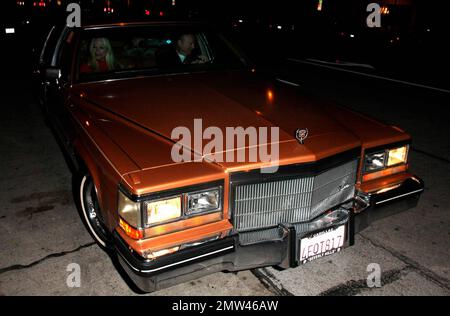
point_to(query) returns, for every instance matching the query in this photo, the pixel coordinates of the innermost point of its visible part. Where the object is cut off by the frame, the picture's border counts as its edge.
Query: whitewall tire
(91, 213)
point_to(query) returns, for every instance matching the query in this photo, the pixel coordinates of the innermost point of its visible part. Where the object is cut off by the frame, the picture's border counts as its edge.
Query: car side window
(65, 54)
(203, 47)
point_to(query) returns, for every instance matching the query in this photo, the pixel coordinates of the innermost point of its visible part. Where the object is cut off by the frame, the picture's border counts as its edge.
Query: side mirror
(52, 73)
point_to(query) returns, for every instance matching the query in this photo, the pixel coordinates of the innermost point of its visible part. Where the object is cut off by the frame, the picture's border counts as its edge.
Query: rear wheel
(91, 213)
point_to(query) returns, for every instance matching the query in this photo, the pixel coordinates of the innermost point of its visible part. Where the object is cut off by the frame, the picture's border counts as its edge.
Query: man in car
(181, 52)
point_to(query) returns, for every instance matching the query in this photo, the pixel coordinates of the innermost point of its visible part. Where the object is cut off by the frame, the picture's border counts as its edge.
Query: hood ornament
(301, 135)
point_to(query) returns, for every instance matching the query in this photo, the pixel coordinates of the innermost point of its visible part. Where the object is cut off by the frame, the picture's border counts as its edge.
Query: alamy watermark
(374, 18)
(374, 277)
(74, 277)
(234, 144)
(74, 17)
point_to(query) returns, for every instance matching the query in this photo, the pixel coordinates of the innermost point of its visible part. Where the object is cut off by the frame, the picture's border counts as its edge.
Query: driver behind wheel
(181, 52)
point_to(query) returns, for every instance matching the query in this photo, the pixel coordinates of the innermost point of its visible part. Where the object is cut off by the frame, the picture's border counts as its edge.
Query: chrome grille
(267, 204)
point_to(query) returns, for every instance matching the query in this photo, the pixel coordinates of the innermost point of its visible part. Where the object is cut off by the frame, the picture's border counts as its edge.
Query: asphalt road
(41, 232)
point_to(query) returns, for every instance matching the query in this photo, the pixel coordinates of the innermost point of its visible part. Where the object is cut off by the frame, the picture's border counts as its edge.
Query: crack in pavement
(53, 255)
(426, 273)
(267, 279)
(354, 287)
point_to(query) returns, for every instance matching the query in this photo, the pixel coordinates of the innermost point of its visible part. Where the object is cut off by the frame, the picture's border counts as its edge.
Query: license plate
(322, 244)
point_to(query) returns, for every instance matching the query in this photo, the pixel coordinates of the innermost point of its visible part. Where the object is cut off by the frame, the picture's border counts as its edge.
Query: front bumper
(228, 254)
(382, 205)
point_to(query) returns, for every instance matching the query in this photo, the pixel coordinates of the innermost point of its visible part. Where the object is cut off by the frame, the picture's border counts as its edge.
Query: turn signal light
(131, 231)
(385, 172)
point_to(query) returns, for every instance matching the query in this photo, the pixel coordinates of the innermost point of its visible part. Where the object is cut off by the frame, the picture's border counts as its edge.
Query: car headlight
(170, 206)
(375, 161)
(163, 210)
(386, 158)
(203, 201)
(397, 156)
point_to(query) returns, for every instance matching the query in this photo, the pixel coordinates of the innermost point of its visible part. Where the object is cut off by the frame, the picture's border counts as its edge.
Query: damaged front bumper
(232, 254)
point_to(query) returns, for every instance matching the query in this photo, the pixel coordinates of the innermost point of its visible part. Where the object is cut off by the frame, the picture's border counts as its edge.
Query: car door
(57, 92)
(44, 60)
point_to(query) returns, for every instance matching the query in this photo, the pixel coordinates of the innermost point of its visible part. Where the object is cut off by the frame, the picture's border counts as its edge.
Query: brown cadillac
(114, 95)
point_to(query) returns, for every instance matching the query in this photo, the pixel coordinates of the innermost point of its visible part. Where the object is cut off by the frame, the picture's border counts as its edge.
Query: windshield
(114, 52)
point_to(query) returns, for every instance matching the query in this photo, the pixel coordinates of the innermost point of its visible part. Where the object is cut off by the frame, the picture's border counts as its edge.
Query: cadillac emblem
(301, 135)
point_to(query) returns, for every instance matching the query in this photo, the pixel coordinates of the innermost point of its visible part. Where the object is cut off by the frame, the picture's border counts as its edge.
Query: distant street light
(319, 5)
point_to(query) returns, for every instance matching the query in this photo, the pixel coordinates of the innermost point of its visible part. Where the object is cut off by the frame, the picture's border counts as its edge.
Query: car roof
(108, 24)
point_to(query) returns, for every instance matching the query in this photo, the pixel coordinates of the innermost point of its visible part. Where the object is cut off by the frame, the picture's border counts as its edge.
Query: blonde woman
(101, 56)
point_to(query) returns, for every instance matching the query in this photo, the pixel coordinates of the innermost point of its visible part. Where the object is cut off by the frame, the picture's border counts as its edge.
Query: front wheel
(91, 213)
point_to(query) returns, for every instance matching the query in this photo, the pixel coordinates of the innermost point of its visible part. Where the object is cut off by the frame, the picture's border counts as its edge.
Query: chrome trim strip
(176, 263)
(369, 75)
(399, 196)
(288, 82)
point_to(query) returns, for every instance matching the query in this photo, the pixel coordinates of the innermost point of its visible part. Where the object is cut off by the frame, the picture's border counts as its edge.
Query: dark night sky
(433, 11)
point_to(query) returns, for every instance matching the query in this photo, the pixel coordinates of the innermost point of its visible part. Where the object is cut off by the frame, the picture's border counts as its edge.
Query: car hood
(159, 105)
